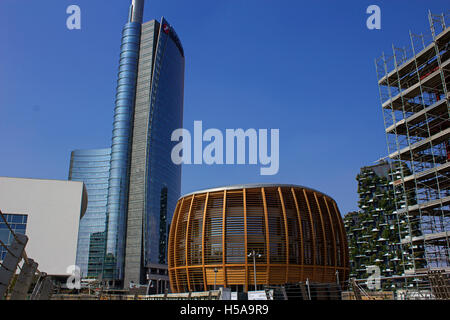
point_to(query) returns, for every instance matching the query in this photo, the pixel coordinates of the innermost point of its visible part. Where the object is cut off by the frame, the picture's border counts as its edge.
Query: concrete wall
(53, 208)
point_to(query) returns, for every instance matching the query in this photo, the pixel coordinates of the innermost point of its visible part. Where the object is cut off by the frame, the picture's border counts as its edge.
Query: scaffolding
(414, 92)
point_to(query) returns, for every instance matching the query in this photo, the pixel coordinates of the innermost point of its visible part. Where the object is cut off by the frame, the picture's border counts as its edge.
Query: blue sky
(304, 67)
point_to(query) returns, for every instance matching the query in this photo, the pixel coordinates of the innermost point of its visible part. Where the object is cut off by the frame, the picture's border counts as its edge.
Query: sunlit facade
(143, 184)
(287, 233)
(154, 180)
(49, 213)
(92, 168)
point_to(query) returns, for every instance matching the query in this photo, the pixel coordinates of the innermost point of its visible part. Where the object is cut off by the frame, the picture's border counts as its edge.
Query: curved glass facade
(120, 150)
(141, 184)
(92, 167)
(155, 182)
(163, 178)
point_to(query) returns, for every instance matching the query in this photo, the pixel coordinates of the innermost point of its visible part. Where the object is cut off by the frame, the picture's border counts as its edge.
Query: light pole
(254, 254)
(215, 275)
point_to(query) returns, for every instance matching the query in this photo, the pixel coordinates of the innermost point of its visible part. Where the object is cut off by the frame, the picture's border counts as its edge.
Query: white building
(53, 210)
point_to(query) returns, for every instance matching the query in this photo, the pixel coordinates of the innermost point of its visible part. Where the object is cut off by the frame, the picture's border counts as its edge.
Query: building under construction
(414, 91)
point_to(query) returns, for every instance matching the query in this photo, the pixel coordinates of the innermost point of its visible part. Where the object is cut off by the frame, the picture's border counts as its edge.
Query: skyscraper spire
(137, 11)
(144, 184)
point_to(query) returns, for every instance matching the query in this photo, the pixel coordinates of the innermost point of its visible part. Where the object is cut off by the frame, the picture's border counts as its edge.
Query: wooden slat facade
(297, 232)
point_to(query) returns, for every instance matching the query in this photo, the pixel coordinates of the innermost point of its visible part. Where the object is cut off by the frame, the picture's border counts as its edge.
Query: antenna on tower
(137, 11)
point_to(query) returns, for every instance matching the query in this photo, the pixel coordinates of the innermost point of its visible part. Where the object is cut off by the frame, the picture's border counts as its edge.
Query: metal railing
(18, 273)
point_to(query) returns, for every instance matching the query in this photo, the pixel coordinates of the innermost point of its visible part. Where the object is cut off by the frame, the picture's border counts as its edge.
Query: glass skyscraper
(92, 167)
(143, 184)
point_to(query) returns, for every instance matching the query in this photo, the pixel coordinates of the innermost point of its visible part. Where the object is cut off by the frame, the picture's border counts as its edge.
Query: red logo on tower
(166, 28)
